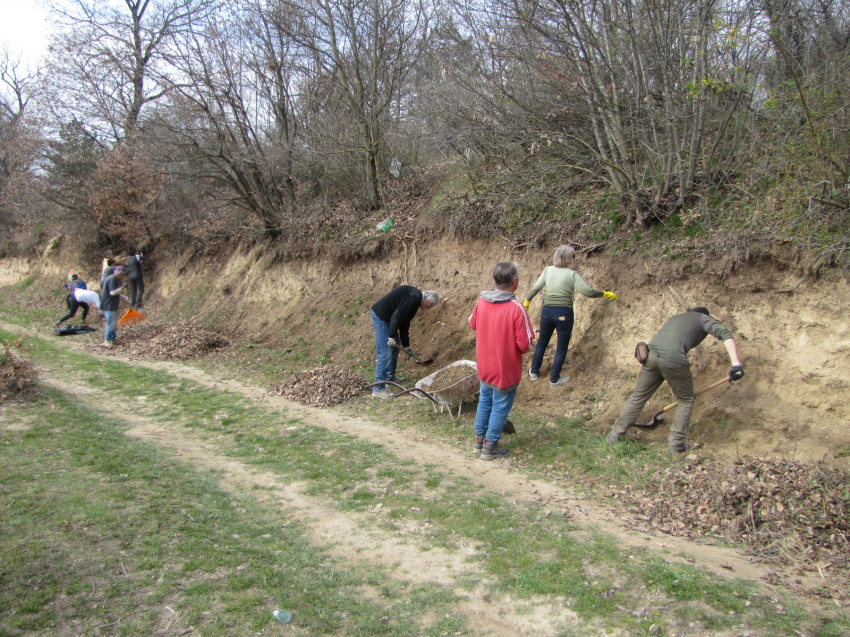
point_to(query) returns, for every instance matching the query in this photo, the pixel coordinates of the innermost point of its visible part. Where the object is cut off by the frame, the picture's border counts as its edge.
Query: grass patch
(100, 529)
(527, 553)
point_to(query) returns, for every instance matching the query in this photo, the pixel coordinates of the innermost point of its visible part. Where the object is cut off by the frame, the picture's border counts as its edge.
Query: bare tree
(235, 113)
(107, 64)
(643, 97)
(367, 49)
(808, 103)
(16, 149)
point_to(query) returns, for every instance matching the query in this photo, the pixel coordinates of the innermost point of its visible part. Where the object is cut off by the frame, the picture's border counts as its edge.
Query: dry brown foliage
(17, 376)
(177, 341)
(321, 386)
(792, 513)
(121, 195)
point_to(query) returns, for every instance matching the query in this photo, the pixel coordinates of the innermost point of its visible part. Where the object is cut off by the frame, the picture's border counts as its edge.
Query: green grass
(524, 552)
(527, 553)
(50, 306)
(99, 528)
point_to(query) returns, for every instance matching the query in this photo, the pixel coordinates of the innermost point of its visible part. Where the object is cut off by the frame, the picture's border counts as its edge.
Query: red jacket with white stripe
(504, 334)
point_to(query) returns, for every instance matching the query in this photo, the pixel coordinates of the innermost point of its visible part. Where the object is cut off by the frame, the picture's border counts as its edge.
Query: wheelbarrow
(443, 398)
(467, 387)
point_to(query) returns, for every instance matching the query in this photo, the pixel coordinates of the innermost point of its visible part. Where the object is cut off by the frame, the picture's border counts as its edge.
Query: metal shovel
(658, 418)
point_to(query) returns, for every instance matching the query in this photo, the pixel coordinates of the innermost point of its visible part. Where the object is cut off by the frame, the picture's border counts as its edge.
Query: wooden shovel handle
(697, 393)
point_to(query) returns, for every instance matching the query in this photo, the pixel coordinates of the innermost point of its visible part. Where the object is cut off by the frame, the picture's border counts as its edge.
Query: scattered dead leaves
(321, 386)
(17, 376)
(787, 512)
(177, 341)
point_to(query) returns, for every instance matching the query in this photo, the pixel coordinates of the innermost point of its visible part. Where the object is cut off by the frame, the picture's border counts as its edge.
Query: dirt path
(354, 536)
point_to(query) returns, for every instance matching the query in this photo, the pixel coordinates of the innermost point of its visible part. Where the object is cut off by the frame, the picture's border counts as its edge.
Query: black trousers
(137, 290)
(73, 306)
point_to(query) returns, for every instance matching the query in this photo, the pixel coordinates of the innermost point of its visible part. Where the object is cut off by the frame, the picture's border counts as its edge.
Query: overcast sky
(23, 29)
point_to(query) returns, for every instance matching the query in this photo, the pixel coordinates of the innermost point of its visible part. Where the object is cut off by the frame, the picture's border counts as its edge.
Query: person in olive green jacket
(668, 360)
(561, 284)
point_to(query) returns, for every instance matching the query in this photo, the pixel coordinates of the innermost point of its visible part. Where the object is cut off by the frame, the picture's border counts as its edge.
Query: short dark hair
(700, 309)
(131, 250)
(504, 274)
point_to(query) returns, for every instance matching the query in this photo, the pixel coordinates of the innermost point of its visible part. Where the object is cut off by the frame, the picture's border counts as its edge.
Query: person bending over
(668, 360)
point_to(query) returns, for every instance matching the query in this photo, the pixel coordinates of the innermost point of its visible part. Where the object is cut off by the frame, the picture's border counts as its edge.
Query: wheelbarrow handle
(405, 391)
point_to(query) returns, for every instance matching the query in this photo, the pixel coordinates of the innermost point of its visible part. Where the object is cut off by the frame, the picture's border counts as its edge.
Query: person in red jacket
(503, 334)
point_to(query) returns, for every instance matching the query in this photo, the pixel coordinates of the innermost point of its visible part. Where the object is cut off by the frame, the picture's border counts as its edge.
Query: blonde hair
(564, 256)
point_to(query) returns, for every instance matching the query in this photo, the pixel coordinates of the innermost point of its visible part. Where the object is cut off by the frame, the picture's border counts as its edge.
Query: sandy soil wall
(794, 339)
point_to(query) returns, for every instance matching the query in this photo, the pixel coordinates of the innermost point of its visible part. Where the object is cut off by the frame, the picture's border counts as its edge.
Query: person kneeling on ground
(110, 301)
(391, 317)
(668, 360)
(503, 334)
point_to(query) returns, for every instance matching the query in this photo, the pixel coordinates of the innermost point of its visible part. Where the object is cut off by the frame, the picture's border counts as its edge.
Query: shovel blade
(656, 420)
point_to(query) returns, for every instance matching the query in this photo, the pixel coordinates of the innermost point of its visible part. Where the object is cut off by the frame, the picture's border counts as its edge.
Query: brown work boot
(492, 450)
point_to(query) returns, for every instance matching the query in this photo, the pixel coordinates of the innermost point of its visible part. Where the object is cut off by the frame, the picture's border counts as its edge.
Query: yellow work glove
(610, 296)
(525, 304)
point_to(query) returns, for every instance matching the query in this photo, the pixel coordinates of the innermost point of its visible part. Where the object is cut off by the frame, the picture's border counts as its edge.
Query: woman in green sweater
(561, 284)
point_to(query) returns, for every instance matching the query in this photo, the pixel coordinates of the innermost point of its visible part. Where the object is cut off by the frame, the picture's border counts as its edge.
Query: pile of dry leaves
(177, 341)
(791, 512)
(17, 376)
(321, 386)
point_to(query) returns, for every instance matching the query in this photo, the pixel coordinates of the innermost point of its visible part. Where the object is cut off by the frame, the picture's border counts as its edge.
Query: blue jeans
(553, 318)
(493, 409)
(387, 356)
(111, 326)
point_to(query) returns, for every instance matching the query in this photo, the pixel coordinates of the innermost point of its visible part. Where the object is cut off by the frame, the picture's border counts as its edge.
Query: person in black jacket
(137, 281)
(391, 317)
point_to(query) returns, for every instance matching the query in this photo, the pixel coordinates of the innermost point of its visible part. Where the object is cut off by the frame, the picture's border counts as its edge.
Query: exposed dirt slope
(794, 339)
(794, 344)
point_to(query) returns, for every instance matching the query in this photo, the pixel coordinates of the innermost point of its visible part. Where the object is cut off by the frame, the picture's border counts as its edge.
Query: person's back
(108, 270)
(134, 267)
(87, 296)
(110, 302)
(397, 308)
(682, 332)
(561, 285)
(503, 335)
